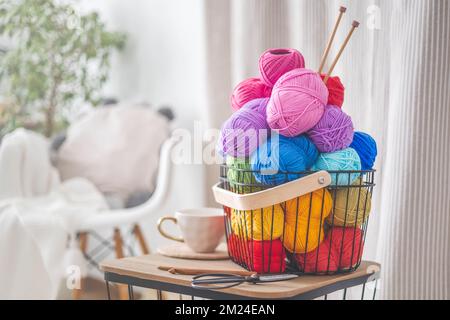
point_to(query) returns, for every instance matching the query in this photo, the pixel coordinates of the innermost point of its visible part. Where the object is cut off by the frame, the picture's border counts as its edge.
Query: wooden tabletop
(146, 267)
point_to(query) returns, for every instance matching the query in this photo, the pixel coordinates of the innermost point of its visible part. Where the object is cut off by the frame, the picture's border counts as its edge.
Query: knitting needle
(355, 25)
(330, 41)
(193, 271)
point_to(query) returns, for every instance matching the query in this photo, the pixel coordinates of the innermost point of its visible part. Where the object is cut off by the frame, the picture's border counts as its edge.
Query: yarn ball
(248, 90)
(344, 160)
(245, 129)
(266, 256)
(341, 250)
(237, 248)
(259, 256)
(333, 132)
(304, 221)
(297, 102)
(240, 177)
(336, 91)
(260, 224)
(274, 63)
(279, 155)
(351, 206)
(366, 147)
(317, 261)
(227, 211)
(346, 245)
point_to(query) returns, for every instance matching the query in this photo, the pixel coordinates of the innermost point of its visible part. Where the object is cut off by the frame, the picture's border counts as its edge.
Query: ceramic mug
(201, 229)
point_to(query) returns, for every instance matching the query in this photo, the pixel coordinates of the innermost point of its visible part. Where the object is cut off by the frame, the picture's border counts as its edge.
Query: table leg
(130, 292)
(345, 294)
(363, 290)
(158, 295)
(375, 290)
(118, 243)
(108, 292)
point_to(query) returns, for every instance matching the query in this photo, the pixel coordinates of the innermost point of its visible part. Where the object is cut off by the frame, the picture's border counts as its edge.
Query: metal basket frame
(242, 255)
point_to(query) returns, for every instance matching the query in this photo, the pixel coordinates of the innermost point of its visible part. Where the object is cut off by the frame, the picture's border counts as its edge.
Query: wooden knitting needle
(189, 271)
(330, 41)
(355, 25)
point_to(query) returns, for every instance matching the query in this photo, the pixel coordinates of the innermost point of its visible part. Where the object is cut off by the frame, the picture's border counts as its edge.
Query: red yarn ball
(227, 211)
(341, 249)
(258, 256)
(268, 256)
(236, 248)
(248, 90)
(317, 261)
(336, 91)
(346, 245)
(274, 63)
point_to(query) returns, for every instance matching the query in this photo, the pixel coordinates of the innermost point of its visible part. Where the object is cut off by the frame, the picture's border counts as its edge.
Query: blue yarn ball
(344, 160)
(279, 155)
(366, 147)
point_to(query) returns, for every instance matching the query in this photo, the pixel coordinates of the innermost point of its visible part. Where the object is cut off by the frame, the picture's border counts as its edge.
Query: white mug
(201, 229)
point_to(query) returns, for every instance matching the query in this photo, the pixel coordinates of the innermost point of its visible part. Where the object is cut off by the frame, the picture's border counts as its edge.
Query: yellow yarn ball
(304, 221)
(353, 211)
(261, 224)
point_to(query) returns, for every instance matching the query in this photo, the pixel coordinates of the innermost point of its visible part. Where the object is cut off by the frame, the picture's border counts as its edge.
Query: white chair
(114, 219)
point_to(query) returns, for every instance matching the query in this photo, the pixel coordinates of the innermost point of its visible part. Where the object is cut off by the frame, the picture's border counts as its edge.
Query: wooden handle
(272, 196)
(193, 272)
(163, 233)
(331, 39)
(355, 25)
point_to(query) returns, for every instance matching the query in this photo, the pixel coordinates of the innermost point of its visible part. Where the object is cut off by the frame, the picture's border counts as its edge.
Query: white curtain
(397, 76)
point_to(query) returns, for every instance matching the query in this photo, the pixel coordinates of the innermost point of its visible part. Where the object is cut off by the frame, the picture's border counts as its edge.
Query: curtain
(397, 77)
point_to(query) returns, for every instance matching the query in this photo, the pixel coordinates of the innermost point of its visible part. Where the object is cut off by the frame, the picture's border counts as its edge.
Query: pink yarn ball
(249, 90)
(297, 103)
(334, 132)
(276, 62)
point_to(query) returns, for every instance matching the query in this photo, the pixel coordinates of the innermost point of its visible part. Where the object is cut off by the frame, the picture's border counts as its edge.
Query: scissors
(223, 280)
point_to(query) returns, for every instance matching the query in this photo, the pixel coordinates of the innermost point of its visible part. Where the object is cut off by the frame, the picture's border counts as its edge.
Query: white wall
(163, 63)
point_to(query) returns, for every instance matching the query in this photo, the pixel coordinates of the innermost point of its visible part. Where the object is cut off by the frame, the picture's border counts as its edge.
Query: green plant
(59, 57)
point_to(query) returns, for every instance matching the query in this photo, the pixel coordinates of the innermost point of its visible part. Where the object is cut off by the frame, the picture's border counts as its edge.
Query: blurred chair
(130, 217)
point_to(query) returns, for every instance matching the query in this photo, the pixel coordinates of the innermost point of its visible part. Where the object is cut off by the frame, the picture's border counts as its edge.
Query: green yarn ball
(240, 177)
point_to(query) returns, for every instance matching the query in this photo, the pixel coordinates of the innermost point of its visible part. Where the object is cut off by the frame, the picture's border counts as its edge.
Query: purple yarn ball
(245, 130)
(334, 131)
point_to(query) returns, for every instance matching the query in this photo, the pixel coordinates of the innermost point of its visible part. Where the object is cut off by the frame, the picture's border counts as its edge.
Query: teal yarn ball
(282, 159)
(366, 147)
(240, 177)
(344, 160)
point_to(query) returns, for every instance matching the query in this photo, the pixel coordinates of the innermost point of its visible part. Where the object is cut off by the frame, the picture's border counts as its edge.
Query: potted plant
(58, 57)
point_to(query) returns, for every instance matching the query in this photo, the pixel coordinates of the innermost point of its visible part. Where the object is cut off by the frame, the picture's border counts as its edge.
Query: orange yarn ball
(304, 221)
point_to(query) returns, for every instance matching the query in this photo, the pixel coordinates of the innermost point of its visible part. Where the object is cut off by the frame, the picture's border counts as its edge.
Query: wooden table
(142, 271)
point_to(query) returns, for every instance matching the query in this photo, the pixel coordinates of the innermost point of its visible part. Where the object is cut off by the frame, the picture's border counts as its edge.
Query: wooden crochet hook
(331, 39)
(193, 272)
(355, 25)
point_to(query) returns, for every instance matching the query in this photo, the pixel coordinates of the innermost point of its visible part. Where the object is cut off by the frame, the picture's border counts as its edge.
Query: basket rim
(300, 172)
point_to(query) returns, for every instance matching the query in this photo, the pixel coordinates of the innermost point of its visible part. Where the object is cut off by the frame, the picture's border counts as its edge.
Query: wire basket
(315, 224)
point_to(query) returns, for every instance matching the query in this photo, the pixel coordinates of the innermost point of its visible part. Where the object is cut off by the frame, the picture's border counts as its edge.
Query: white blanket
(25, 169)
(37, 215)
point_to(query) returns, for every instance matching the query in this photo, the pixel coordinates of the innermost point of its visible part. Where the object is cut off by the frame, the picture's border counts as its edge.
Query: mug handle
(163, 233)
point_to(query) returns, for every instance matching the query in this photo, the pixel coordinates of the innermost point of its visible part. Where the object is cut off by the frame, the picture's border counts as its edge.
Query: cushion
(115, 148)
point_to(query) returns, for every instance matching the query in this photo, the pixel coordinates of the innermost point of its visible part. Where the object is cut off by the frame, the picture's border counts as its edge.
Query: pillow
(115, 148)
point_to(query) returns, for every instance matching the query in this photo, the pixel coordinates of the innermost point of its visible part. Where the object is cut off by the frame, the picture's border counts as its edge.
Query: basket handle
(269, 197)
